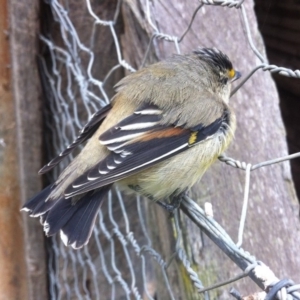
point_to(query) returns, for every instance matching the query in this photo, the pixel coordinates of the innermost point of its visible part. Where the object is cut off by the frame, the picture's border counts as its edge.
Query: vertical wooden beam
(22, 256)
(12, 264)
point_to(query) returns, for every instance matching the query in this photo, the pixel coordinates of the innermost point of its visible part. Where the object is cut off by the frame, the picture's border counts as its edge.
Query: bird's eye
(224, 80)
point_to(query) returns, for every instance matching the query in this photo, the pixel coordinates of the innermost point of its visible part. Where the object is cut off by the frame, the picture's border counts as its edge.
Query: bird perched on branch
(165, 126)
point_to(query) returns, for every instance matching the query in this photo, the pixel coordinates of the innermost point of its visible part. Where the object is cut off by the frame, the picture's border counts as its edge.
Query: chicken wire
(119, 257)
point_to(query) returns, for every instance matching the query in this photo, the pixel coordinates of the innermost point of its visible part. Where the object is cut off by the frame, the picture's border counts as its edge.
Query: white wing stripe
(121, 138)
(113, 148)
(117, 161)
(101, 172)
(138, 126)
(109, 167)
(148, 112)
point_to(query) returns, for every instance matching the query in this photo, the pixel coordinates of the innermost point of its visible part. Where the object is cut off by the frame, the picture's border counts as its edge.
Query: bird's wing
(86, 132)
(138, 142)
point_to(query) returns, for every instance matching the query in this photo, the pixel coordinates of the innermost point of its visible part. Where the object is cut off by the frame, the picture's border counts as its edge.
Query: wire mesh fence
(120, 259)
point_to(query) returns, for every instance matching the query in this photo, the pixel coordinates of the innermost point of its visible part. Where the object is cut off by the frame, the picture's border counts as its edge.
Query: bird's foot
(174, 204)
(168, 207)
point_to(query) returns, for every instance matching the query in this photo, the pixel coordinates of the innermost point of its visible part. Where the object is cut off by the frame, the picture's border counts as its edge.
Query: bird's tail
(73, 217)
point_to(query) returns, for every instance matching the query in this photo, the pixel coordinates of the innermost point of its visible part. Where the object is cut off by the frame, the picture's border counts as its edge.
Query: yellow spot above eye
(193, 137)
(231, 73)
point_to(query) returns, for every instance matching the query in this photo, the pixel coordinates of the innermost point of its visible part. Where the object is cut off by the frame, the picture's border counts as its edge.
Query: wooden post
(12, 264)
(22, 256)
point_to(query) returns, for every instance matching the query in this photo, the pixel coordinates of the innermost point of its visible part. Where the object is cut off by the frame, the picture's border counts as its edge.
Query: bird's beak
(236, 76)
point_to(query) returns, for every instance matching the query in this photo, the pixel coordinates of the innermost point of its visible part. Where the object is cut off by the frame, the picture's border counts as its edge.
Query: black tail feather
(64, 210)
(59, 215)
(37, 205)
(75, 220)
(43, 218)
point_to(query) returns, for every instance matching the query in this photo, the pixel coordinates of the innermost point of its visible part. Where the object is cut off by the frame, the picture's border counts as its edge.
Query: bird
(165, 125)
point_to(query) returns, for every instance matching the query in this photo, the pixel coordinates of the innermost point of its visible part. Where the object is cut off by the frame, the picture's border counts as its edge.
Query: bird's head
(220, 70)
